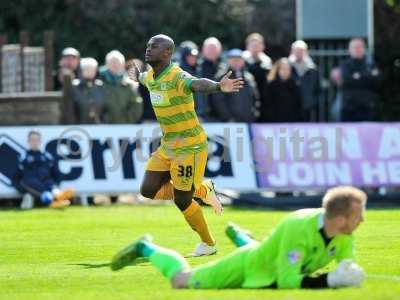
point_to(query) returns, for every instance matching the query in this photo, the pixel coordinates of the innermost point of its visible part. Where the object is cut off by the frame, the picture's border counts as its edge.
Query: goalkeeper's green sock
(167, 261)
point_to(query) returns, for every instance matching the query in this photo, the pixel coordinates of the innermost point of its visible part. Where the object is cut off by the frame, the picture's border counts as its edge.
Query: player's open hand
(133, 71)
(231, 85)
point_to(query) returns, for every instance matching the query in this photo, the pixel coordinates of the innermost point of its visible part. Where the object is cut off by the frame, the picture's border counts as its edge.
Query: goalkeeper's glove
(347, 274)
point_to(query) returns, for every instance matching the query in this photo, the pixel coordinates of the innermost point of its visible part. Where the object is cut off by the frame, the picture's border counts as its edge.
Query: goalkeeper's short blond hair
(338, 201)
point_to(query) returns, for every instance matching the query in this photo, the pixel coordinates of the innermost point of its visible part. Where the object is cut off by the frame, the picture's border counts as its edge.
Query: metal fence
(327, 55)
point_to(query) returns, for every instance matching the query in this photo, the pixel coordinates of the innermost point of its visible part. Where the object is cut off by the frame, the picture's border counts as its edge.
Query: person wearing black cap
(189, 54)
(238, 107)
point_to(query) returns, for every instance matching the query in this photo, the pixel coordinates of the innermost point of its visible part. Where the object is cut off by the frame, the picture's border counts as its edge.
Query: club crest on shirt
(294, 256)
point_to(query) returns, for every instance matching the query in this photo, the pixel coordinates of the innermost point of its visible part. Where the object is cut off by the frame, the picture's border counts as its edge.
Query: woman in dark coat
(284, 94)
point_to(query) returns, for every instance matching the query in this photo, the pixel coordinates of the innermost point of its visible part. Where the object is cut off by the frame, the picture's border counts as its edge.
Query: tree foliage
(96, 27)
(387, 51)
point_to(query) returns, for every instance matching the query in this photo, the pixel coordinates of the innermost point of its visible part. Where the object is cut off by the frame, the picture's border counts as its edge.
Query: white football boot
(203, 249)
(212, 198)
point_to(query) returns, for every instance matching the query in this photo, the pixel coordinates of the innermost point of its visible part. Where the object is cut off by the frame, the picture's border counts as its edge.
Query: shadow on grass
(138, 261)
(91, 266)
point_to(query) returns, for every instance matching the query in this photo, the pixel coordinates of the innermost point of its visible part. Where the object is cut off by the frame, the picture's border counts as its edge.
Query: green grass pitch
(48, 254)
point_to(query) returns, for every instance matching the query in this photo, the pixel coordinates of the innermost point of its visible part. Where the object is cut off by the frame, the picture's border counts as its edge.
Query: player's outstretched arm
(226, 85)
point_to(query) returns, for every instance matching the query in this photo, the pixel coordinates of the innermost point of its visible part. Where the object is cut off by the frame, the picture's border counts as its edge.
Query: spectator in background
(131, 68)
(189, 54)
(38, 177)
(336, 108)
(210, 62)
(259, 64)
(88, 94)
(284, 94)
(306, 75)
(123, 103)
(240, 106)
(209, 65)
(68, 66)
(360, 84)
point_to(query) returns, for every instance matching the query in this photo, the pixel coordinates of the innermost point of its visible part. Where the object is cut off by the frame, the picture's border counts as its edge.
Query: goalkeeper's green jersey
(293, 250)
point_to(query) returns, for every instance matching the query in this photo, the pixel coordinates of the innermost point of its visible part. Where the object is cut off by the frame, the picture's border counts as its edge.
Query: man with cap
(240, 106)
(189, 54)
(189, 62)
(68, 66)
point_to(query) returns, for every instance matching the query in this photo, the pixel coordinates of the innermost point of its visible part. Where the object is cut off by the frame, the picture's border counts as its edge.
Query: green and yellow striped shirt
(173, 104)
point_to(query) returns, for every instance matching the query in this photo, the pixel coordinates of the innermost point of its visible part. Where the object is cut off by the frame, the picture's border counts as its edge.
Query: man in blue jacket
(38, 176)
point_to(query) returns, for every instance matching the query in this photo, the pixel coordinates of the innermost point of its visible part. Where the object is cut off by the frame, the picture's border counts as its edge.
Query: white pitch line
(384, 277)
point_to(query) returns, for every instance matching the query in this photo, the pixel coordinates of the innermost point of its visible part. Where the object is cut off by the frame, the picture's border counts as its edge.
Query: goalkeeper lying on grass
(304, 242)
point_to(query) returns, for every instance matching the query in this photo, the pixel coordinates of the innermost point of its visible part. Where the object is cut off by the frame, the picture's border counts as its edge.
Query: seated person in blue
(38, 177)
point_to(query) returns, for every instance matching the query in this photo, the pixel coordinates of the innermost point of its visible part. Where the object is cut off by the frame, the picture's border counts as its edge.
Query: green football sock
(168, 262)
(242, 239)
(238, 236)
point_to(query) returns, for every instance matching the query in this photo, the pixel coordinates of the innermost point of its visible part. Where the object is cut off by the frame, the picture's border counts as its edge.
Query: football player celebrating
(175, 171)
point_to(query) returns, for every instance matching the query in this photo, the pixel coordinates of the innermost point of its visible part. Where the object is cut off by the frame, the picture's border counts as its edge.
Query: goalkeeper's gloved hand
(347, 274)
